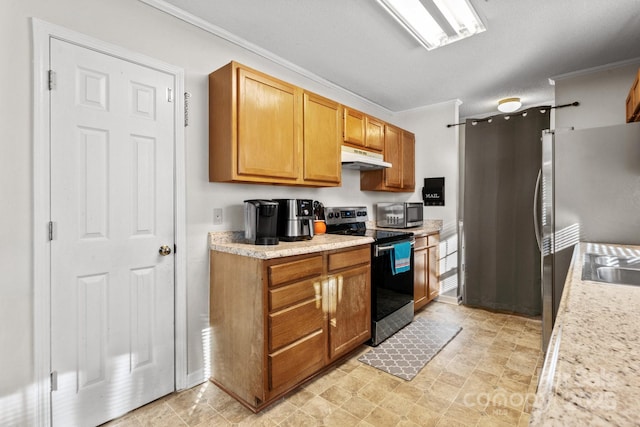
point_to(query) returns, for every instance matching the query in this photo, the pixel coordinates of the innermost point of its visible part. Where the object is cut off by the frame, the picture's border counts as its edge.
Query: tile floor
(486, 376)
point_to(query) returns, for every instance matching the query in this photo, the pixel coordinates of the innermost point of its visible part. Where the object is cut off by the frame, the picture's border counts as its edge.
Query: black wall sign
(433, 191)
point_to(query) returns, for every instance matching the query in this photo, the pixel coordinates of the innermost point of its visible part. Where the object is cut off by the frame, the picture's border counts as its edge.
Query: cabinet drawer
(421, 242)
(285, 296)
(295, 270)
(345, 259)
(434, 239)
(293, 323)
(296, 362)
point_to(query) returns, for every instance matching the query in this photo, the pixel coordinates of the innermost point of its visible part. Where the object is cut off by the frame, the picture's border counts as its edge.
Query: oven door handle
(388, 248)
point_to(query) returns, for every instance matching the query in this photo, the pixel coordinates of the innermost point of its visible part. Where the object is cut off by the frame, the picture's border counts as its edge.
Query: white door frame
(42, 33)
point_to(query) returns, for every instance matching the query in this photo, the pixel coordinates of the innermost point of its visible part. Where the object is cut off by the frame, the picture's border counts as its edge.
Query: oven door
(389, 292)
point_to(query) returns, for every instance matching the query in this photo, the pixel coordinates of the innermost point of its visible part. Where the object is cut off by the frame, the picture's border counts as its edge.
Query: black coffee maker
(261, 222)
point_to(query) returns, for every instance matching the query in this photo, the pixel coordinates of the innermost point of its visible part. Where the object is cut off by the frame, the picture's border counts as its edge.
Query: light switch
(217, 216)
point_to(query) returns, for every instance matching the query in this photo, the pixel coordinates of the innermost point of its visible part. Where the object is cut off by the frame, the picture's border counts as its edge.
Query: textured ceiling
(356, 45)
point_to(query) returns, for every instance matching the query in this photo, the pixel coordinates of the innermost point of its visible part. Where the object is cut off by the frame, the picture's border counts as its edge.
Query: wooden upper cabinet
(268, 140)
(633, 101)
(257, 130)
(354, 127)
(393, 155)
(364, 131)
(374, 134)
(322, 140)
(399, 150)
(408, 161)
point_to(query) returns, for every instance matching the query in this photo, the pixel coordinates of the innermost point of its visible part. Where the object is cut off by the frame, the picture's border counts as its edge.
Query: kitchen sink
(611, 269)
(627, 276)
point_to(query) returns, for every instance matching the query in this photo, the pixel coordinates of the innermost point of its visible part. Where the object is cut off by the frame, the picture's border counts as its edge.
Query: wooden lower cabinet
(426, 281)
(420, 273)
(276, 323)
(350, 311)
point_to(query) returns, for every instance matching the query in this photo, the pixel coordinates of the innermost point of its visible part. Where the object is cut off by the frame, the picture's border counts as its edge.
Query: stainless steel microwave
(399, 214)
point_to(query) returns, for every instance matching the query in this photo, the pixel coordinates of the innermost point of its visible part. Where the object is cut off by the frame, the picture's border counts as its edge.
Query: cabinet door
(630, 107)
(374, 138)
(420, 274)
(322, 144)
(354, 130)
(636, 97)
(633, 101)
(393, 155)
(293, 363)
(268, 140)
(434, 261)
(408, 161)
(349, 309)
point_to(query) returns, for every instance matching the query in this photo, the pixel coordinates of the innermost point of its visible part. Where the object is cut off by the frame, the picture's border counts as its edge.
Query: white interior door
(112, 189)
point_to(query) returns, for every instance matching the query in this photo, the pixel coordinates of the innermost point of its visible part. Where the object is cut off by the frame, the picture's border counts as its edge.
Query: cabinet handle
(388, 248)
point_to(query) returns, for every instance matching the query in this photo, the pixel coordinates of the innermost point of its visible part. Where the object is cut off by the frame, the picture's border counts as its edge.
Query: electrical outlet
(217, 216)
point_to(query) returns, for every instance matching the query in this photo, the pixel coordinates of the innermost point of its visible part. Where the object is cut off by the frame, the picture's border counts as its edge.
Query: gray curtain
(502, 159)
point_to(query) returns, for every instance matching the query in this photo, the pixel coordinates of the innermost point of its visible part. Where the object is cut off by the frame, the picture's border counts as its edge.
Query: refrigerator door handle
(536, 222)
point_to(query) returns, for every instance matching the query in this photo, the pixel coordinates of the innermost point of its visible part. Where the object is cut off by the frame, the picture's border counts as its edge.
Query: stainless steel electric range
(391, 294)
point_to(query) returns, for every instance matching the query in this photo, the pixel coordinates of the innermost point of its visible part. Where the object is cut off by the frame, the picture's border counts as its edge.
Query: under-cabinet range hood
(353, 158)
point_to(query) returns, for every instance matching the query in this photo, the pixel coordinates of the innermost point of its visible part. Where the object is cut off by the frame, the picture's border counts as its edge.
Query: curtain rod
(542, 108)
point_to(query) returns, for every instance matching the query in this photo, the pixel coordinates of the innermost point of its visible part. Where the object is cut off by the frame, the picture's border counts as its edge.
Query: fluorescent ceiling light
(435, 23)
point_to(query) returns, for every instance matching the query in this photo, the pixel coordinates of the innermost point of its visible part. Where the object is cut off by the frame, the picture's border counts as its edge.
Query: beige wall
(601, 92)
(140, 28)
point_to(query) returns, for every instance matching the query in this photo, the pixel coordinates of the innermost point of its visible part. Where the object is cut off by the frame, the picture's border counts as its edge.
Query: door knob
(164, 250)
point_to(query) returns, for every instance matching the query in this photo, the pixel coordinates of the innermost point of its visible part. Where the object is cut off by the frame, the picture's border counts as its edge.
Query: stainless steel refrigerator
(588, 190)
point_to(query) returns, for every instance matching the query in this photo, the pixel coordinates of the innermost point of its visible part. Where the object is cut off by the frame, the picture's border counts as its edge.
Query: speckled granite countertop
(234, 242)
(591, 374)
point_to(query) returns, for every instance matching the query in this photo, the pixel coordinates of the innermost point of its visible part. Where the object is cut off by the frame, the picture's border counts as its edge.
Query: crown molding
(592, 70)
(207, 26)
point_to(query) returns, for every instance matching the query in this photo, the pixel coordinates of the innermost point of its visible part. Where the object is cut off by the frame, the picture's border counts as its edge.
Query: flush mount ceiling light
(509, 105)
(435, 23)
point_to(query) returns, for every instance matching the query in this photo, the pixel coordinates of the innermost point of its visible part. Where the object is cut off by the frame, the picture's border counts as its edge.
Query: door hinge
(169, 94)
(51, 230)
(51, 79)
(54, 381)
(187, 95)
